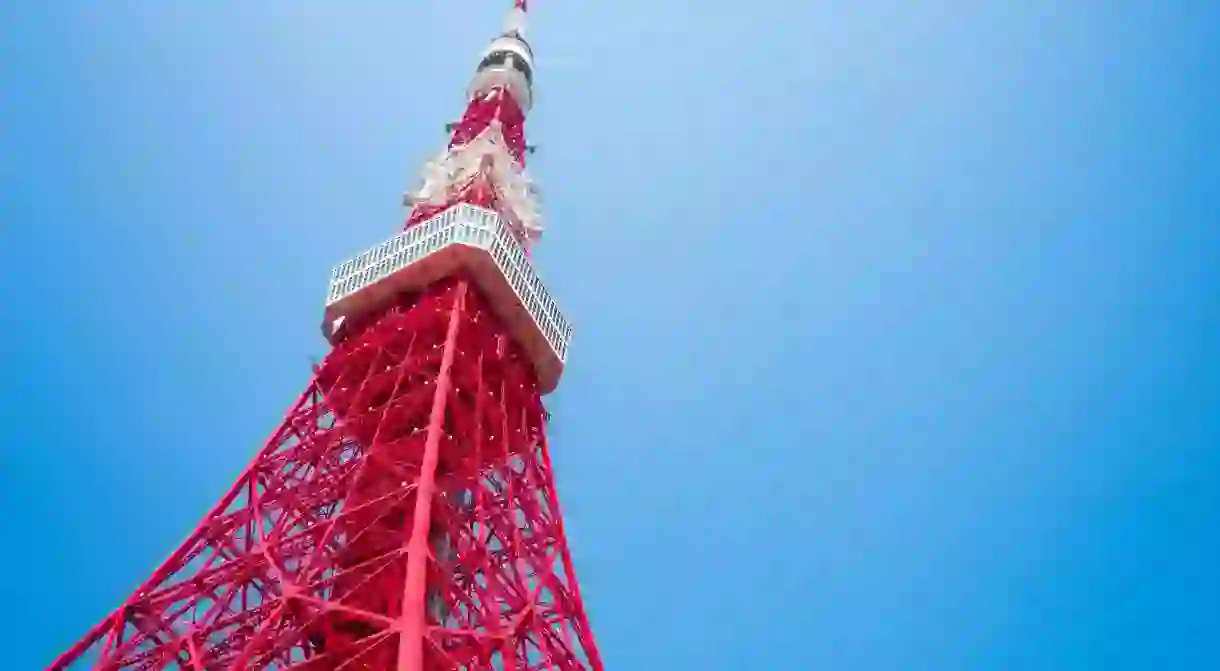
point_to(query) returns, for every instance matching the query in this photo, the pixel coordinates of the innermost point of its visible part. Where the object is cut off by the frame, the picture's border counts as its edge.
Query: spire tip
(515, 22)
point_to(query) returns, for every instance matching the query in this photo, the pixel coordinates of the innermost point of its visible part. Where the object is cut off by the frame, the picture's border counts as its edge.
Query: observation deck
(462, 237)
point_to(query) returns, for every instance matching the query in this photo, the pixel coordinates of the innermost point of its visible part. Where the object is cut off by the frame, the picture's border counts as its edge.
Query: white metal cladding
(513, 44)
(463, 225)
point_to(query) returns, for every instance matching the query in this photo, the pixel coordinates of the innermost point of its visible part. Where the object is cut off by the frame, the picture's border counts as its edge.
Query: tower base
(402, 517)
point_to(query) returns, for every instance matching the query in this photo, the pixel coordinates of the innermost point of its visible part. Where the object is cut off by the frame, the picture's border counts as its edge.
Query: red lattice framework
(478, 189)
(402, 517)
(413, 470)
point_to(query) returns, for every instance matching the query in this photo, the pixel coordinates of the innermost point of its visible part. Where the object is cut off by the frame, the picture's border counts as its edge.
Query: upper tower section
(476, 214)
(484, 162)
(508, 62)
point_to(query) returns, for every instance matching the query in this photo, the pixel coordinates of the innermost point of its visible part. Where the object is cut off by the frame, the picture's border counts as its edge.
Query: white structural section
(503, 76)
(513, 44)
(455, 167)
(462, 237)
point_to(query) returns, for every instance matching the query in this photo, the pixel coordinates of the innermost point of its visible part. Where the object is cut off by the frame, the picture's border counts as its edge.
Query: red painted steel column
(413, 622)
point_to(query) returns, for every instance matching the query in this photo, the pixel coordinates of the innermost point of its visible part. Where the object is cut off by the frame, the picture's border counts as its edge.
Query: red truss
(478, 189)
(482, 111)
(403, 516)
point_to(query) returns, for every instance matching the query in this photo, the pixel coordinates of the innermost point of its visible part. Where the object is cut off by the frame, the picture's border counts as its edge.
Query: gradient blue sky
(898, 322)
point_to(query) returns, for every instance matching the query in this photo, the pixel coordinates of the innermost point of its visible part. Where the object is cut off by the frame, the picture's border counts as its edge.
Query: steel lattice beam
(402, 516)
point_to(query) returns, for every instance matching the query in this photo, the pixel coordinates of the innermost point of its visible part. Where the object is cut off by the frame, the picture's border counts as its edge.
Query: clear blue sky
(898, 322)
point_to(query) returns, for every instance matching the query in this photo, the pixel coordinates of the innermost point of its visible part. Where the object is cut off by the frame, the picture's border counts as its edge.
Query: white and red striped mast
(484, 163)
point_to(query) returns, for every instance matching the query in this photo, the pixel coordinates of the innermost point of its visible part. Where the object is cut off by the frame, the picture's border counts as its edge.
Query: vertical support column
(569, 569)
(413, 622)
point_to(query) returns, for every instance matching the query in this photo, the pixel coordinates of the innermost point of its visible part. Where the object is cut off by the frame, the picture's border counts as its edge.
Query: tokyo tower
(403, 516)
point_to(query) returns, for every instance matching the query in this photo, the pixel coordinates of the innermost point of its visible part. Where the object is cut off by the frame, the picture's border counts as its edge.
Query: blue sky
(897, 322)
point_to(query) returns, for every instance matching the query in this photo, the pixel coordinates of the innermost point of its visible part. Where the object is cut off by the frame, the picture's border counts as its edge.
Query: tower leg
(413, 621)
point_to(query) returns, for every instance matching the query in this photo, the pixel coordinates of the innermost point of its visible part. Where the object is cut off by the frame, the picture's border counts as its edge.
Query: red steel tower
(403, 516)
